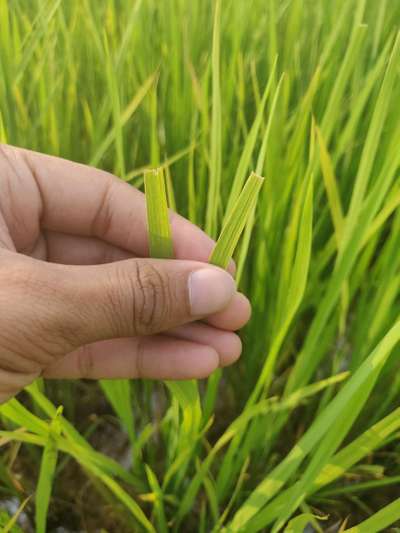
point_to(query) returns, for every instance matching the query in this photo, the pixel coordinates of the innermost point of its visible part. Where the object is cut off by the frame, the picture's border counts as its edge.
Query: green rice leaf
(374, 134)
(126, 114)
(364, 376)
(160, 239)
(359, 448)
(299, 523)
(46, 475)
(118, 393)
(216, 129)
(120, 494)
(11, 526)
(342, 462)
(161, 246)
(236, 222)
(238, 427)
(379, 521)
(158, 502)
(250, 143)
(294, 288)
(331, 187)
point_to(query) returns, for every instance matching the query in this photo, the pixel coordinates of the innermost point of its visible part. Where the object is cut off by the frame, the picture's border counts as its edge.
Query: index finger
(82, 200)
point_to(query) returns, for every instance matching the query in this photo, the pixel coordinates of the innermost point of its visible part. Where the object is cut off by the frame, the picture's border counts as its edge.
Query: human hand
(80, 299)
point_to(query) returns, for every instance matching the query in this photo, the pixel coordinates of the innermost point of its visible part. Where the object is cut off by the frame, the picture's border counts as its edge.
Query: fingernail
(210, 290)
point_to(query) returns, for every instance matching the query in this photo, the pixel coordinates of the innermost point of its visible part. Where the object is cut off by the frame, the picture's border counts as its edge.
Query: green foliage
(8, 524)
(235, 223)
(46, 474)
(306, 94)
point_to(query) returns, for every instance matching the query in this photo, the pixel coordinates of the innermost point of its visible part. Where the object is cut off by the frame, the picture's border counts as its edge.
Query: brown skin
(78, 296)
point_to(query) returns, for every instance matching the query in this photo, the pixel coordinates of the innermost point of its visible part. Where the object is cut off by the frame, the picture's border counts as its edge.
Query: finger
(228, 345)
(75, 250)
(233, 317)
(81, 200)
(12, 382)
(135, 297)
(155, 357)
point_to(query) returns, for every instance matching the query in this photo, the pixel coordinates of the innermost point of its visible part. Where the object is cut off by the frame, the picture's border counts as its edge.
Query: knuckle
(32, 325)
(12, 360)
(115, 308)
(12, 382)
(150, 298)
(103, 218)
(138, 299)
(16, 275)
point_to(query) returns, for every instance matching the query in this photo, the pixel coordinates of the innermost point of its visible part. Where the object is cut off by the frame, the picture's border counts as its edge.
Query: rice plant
(304, 430)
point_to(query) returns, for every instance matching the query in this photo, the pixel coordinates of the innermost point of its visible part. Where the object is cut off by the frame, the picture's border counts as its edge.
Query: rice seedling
(304, 429)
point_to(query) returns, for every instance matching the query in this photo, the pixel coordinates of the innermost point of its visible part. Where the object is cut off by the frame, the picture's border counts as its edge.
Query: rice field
(302, 433)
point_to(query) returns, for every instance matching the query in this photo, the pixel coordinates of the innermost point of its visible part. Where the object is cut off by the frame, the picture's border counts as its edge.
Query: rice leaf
(158, 502)
(342, 462)
(216, 129)
(126, 114)
(374, 133)
(259, 170)
(161, 246)
(359, 448)
(41, 23)
(295, 286)
(299, 523)
(335, 206)
(342, 78)
(331, 186)
(322, 425)
(232, 229)
(238, 427)
(123, 496)
(11, 525)
(379, 521)
(46, 474)
(160, 239)
(250, 143)
(236, 222)
(352, 238)
(118, 393)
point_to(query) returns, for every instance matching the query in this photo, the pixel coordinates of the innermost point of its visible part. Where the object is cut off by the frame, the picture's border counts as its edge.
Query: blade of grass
(379, 521)
(335, 206)
(238, 427)
(236, 222)
(216, 130)
(10, 526)
(160, 238)
(158, 502)
(222, 254)
(46, 475)
(278, 477)
(161, 246)
(250, 143)
(125, 116)
(298, 523)
(118, 393)
(372, 141)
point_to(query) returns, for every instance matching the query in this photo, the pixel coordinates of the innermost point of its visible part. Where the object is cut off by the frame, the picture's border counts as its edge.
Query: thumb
(137, 297)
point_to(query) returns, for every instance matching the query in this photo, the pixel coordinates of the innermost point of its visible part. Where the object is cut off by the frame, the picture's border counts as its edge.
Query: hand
(79, 298)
